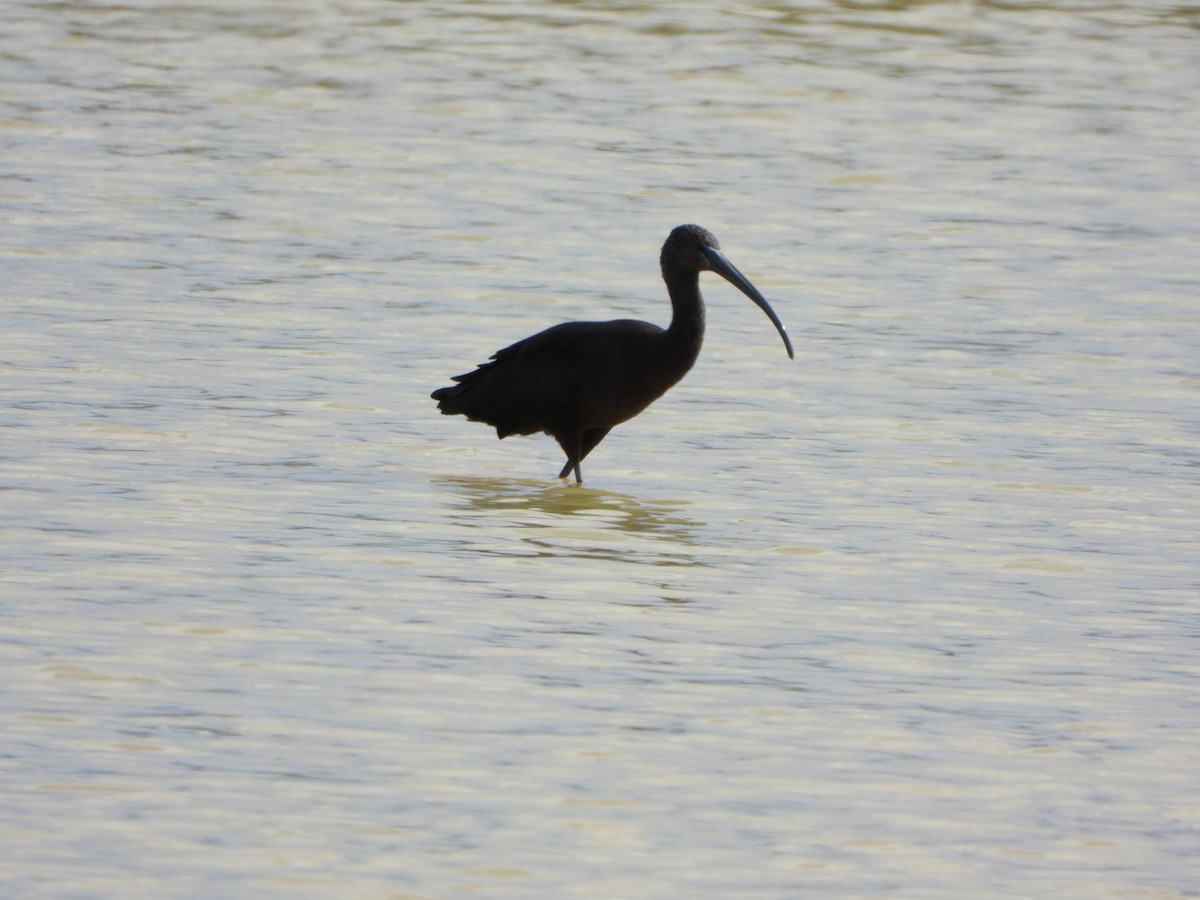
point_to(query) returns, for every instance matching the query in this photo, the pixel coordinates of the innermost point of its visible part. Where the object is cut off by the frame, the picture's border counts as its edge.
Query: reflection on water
(561, 519)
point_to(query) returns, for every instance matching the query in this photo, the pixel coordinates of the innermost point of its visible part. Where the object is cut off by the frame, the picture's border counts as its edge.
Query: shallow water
(915, 614)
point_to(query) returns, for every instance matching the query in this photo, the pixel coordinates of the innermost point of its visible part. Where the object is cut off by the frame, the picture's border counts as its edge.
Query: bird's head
(690, 249)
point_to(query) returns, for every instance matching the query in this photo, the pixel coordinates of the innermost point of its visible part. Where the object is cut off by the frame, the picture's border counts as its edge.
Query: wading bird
(577, 380)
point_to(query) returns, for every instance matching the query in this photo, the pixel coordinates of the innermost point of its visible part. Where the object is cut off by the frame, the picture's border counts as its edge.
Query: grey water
(917, 614)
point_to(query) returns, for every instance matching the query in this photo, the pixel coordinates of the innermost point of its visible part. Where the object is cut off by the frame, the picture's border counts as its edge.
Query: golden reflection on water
(575, 504)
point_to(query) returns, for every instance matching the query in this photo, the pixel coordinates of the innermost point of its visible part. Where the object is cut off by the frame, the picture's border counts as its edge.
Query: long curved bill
(727, 270)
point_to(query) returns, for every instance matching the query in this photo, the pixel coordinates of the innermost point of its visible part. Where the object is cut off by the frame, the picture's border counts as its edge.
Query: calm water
(915, 615)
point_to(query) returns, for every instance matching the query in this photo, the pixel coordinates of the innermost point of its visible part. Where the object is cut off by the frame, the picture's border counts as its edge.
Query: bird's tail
(482, 400)
(448, 399)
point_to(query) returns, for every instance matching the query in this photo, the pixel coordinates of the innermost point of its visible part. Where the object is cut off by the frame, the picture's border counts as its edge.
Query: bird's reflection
(622, 512)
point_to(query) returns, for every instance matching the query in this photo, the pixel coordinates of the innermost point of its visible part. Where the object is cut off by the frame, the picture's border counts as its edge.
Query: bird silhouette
(578, 380)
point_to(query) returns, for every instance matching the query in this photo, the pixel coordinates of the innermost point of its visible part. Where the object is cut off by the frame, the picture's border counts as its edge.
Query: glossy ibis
(577, 380)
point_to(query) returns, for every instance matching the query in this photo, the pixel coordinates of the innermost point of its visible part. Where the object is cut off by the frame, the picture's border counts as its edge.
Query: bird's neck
(687, 312)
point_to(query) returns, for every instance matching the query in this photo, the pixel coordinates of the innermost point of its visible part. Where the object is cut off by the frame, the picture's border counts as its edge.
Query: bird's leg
(584, 444)
(572, 445)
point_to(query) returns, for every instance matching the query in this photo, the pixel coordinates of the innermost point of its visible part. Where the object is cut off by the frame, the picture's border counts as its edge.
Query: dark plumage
(577, 380)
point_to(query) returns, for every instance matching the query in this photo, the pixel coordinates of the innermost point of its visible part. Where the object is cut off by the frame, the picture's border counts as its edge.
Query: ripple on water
(914, 613)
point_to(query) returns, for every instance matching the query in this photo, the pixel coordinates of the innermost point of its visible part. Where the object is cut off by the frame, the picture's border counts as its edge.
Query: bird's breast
(632, 376)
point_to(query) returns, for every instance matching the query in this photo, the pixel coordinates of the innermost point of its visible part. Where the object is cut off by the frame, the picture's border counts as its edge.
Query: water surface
(916, 614)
